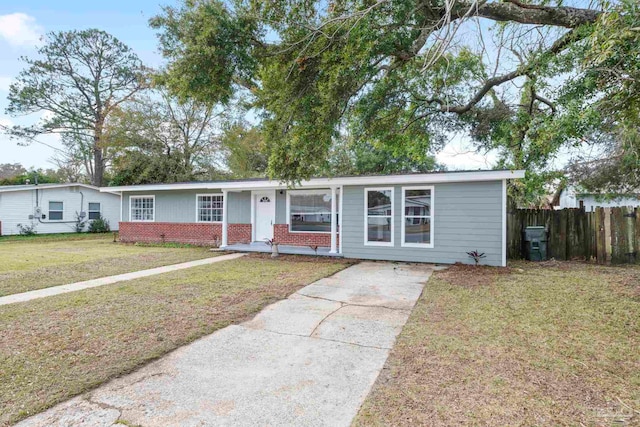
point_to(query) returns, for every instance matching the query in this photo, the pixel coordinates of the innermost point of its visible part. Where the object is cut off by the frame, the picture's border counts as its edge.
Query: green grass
(551, 344)
(55, 237)
(34, 263)
(54, 348)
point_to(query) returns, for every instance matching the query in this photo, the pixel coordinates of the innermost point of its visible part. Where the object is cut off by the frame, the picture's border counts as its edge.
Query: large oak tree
(517, 76)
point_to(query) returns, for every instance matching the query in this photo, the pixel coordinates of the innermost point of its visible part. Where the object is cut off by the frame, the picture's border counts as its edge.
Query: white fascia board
(430, 178)
(48, 186)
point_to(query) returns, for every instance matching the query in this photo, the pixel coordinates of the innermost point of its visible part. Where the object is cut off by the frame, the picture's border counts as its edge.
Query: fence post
(601, 241)
(637, 234)
(619, 245)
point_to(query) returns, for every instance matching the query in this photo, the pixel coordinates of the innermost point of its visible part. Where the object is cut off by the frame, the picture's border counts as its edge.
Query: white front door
(265, 214)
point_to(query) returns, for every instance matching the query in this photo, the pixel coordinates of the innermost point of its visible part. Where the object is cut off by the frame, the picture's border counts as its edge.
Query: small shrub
(80, 223)
(99, 225)
(27, 229)
(477, 256)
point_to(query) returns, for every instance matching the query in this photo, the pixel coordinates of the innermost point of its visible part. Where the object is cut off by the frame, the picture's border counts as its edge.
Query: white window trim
(99, 211)
(431, 218)
(150, 196)
(304, 192)
(366, 216)
(49, 210)
(198, 209)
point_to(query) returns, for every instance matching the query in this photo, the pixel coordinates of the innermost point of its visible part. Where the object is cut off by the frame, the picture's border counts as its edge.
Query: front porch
(283, 249)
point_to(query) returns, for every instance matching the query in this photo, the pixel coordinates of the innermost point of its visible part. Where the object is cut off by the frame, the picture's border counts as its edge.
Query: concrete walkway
(309, 360)
(94, 283)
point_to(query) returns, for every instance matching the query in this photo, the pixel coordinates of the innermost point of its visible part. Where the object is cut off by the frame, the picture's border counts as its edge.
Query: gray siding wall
(239, 207)
(180, 206)
(467, 217)
(281, 207)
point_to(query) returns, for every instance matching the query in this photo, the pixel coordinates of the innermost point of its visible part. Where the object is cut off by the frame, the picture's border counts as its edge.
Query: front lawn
(54, 348)
(536, 344)
(40, 262)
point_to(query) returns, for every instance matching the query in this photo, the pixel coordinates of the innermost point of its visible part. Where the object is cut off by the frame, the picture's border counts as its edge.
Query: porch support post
(340, 218)
(225, 203)
(334, 222)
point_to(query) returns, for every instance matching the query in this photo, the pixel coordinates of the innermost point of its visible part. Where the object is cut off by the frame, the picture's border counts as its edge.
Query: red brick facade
(158, 232)
(211, 234)
(238, 233)
(283, 236)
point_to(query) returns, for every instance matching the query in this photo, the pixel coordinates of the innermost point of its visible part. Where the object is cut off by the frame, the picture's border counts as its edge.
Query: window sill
(383, 244)
(417, 245)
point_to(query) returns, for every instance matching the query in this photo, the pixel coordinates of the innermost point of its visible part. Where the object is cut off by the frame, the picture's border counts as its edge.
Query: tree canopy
(78, 79)
(158, 138)
(520, 77)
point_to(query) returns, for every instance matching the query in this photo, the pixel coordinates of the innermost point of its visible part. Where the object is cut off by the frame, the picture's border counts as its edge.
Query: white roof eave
(27, 187)
(431, 178)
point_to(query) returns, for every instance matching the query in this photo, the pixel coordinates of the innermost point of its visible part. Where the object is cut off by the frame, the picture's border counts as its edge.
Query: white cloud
(20, 29)
(5, 82)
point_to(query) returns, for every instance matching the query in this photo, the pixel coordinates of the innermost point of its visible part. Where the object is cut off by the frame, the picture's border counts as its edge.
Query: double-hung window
(417, 221)
(310, 211)
(210, 207)
(142, 208)
(94, 210)
(56, 210)
(378, 230)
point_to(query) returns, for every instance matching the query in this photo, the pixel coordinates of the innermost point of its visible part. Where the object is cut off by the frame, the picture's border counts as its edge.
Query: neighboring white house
(52, 208)
(572, 197)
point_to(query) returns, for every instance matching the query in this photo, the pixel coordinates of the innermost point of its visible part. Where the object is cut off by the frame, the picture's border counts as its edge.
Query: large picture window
(379, 216)
(142, 208)
(210, 207)
(417, 221)
(310, 211)
(56, 210)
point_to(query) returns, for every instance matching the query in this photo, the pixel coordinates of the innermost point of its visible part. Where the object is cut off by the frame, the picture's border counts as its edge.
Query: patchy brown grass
(54, 348)
(33, 263)
(538, 344)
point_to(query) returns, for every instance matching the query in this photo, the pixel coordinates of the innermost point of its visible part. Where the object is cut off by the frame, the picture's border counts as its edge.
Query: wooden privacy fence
(604, 235)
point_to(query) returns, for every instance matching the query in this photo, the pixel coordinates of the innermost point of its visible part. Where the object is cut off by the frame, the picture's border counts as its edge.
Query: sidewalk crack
(342, 304)
(356, 305)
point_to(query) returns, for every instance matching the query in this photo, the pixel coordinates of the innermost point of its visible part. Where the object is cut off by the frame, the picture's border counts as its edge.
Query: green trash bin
(535, 240)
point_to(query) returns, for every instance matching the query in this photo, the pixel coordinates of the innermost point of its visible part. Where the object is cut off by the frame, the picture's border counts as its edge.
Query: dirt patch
(302, 258)
(471, 275)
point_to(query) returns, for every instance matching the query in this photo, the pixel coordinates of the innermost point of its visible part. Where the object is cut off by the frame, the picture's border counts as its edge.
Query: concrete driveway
(308, 360)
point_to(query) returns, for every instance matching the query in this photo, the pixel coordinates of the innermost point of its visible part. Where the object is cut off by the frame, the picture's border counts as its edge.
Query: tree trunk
(98, 159)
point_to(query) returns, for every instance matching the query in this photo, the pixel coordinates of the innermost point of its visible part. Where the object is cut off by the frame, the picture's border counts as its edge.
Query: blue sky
(22, 23)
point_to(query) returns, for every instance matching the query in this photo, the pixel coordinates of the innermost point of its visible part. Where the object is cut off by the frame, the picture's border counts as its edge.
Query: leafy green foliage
(351, 156)
(211, 48)
(245, 151)
(395, 77)
(162, 139)
(99, 225)
(608, 90)
(43, 176)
